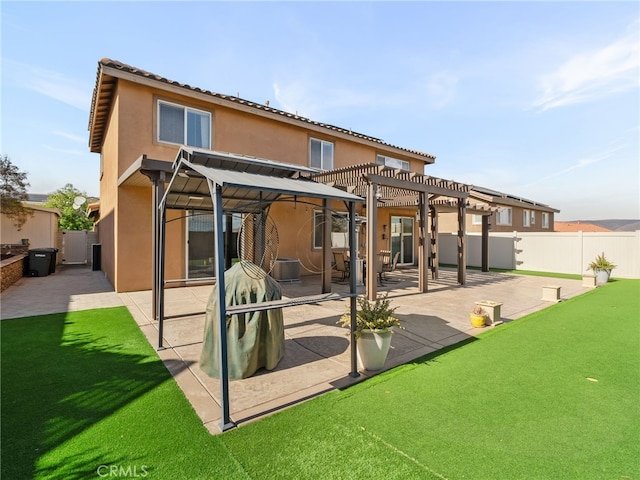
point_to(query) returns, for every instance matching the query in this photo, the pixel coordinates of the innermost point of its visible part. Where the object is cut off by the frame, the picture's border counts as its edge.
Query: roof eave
(117, 70)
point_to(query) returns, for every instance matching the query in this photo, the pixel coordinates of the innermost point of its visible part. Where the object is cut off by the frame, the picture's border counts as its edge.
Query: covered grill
(254, 339)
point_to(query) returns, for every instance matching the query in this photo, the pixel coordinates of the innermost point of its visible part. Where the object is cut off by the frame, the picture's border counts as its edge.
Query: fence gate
(74, 247)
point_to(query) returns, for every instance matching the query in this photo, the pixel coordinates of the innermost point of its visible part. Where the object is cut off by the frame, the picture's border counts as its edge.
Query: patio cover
(229, 183)
(390, 187)
(248, 183)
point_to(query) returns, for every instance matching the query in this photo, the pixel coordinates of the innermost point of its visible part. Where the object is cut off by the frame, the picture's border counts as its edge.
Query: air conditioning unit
(286, 270)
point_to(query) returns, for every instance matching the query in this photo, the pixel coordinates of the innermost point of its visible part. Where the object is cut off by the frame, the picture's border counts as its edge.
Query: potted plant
(374, 326)
(601, 268)
(478, 317)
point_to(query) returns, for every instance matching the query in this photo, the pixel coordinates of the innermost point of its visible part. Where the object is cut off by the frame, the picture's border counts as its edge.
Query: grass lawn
(553, 395)
(533, 273)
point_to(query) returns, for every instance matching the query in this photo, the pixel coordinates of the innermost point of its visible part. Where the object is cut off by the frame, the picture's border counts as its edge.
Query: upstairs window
(526, 218)
(392, 162)
(320, 154)
(183, 125)
(503, 216)
(476, 219)
(545, 220)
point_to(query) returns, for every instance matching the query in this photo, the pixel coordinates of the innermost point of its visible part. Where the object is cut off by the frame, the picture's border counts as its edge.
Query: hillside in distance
(616, 225)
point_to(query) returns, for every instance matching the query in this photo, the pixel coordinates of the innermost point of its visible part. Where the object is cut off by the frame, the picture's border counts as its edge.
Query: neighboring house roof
(93, 211)
(37, 197)
(39, 207)
(110, 70)
(577, 227)
(500, 198)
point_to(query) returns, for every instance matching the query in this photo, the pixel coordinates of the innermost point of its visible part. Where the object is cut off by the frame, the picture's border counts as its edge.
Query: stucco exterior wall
(41, 230)
(125, 212)
(106, 226)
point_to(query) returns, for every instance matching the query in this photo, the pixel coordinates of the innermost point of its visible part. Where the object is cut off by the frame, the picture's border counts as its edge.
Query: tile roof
(103, 91)
(577, 227)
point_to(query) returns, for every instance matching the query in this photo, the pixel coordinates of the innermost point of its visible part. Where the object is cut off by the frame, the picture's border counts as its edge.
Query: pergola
(224, 183)
(383, 186)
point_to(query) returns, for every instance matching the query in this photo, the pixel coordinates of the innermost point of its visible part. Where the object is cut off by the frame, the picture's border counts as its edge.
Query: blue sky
(536, 99)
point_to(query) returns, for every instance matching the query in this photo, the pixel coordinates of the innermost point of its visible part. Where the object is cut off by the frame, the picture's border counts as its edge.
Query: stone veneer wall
(11, 271)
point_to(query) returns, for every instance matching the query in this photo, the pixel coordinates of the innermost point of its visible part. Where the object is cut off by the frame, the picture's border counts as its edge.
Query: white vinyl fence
(557, 252)
(76, 246)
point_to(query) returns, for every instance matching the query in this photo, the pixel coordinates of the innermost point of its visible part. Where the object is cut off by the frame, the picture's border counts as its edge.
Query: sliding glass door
(402, 239)
(200, 245)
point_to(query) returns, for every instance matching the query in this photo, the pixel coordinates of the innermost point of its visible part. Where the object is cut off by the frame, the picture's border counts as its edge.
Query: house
(39, 231)
(139, 122)
(509, 213)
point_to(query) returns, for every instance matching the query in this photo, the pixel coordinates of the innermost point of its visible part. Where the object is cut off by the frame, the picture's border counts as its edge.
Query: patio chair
(340, 265)
(381, 265)
(391, 268)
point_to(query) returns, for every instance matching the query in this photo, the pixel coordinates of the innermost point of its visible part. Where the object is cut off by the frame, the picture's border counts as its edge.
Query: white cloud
(71, 136)
(441, 89)
(592, 75)
(65, 151)
(312, 100)
(580, 163)
(49, 83)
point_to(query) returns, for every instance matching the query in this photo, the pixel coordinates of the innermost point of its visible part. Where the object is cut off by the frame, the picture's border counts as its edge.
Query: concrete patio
(317, 352)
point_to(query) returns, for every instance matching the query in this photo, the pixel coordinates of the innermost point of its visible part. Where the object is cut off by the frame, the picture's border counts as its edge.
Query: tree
(72, 204)
(13, 191)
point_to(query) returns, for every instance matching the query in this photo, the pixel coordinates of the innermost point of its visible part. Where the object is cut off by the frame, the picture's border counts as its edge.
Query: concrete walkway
(70, 288)
(317, 352)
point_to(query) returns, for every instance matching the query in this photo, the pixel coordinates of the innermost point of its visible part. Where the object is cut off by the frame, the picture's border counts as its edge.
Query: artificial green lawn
(553, 395)
(532, 273)
(85, 389)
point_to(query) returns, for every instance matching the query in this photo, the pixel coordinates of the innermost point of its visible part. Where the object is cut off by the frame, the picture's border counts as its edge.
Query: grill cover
(254, 340)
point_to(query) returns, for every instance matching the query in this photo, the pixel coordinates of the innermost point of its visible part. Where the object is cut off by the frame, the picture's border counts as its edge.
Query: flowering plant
(601, 263)
(375, 316)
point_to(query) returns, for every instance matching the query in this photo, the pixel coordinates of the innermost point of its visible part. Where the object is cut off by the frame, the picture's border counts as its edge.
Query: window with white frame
(339, 229)
(476, 219)
(320, 154)
(545, 220)
(392, 162)
(533, 217)
(183, 126)
(503, 216)
(526, 218)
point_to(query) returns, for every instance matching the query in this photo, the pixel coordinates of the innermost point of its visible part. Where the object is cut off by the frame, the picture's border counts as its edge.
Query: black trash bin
(42, 261)
(39, 263)
(96, 256)
(54, 259)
